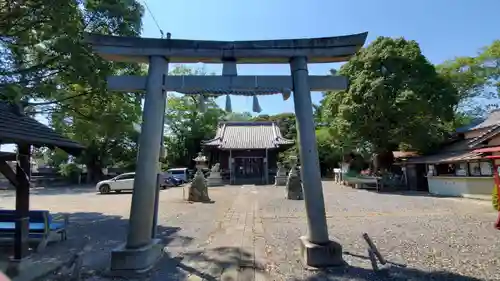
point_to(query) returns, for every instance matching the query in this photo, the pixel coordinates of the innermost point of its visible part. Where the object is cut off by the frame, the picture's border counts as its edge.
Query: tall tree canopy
(238, 116)
(46, 65)
(395, 98)
(286, 122)
(186, 125)
(477, 80)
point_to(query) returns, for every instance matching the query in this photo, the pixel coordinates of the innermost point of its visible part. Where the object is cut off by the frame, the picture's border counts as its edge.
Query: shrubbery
(70, 171)
(494, 198)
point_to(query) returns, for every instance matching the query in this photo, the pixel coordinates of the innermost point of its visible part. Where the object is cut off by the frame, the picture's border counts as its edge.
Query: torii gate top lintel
(317, 50)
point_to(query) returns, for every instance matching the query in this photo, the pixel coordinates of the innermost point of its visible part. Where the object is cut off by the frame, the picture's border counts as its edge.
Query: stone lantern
(201, 162)
(293, 183)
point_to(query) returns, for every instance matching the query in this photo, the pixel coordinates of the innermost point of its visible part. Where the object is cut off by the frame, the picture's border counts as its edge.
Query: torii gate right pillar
(317, 249)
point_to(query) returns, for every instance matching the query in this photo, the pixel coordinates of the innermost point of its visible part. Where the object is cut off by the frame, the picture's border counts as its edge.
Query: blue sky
(444, 28)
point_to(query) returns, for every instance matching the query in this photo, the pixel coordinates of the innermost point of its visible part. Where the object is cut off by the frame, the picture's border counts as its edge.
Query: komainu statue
(215, 168)
(280, 179)
(215, 179)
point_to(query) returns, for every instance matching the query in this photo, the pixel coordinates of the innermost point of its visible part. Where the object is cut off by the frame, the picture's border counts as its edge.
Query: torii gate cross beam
(228, 84)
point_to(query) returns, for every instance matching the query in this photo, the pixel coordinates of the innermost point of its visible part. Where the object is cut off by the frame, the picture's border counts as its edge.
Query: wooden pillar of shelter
(17, 128)
(231, 167)
(266, 168)
(23, 169)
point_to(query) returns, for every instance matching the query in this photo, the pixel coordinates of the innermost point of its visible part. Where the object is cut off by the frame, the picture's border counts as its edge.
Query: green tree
(46, 59)
(286, 122)
(489, 61)
(186, 125)
(477, 80)
(56, 157)
(238, 116)
(41, 43)
(395, 99)
(32, 46)
(329, 152)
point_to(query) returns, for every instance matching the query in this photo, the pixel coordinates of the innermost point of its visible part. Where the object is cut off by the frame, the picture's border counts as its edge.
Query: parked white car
(117, 184)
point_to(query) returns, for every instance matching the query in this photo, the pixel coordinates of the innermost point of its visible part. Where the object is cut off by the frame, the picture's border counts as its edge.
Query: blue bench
(42, 226)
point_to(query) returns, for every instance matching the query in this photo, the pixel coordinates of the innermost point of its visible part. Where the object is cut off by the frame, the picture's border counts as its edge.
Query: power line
(153, 16)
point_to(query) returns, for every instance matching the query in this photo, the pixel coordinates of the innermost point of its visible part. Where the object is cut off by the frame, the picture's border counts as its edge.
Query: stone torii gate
(141, 251)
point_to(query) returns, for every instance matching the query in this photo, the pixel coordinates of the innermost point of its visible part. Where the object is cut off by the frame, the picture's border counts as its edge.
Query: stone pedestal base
(198, 191)
(293, 188)
(215, 181)
(130, 262)
(280, 181)
(321, 256)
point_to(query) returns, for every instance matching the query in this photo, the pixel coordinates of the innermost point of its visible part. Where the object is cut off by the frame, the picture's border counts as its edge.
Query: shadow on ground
(99, 234)
(392, 271)
(232, 263)
(43, 191)
(66, 190)
(407, 193)
(414, 193)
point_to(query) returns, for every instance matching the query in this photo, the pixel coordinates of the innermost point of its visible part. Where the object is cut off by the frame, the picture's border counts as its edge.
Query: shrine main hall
(247, 151)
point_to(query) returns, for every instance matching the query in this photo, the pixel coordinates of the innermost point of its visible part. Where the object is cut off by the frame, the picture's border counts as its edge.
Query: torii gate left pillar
(141, 251)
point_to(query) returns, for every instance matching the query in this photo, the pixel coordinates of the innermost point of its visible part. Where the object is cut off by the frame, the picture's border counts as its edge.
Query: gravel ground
(438, 238)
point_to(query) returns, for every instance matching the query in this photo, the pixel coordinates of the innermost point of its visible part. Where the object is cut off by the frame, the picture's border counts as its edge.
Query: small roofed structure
(25, 132)
(247, 151)
(460, 167)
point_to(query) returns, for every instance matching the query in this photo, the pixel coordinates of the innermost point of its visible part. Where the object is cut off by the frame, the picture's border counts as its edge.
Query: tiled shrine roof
(446, 157)
(15, 127)
(493, 119)
(248, 135)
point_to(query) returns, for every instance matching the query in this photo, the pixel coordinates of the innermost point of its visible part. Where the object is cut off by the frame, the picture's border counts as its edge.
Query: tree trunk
(94, 172)
(382, 161)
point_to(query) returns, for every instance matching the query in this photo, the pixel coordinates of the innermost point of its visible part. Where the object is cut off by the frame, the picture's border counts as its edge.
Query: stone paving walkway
(237, 243)
(254, 229)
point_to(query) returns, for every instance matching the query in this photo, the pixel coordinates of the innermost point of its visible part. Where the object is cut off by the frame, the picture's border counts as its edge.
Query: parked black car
(175, 181)
(170, 182)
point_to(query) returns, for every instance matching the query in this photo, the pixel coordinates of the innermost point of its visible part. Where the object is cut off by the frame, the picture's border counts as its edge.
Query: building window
(482, 168)
(445, 170)
(486, 168)
(431, 171)
(461, 169)
(475, 169)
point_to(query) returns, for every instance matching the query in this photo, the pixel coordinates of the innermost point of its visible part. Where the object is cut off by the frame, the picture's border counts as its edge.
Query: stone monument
(215, 179)
(280, 179)
(197, 189)
(293, 183)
